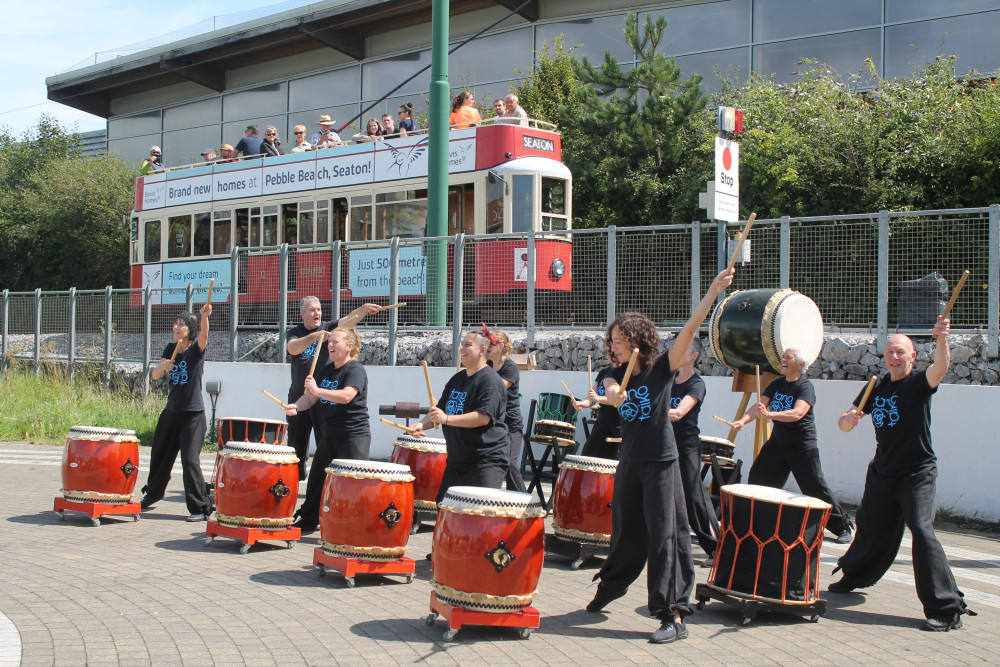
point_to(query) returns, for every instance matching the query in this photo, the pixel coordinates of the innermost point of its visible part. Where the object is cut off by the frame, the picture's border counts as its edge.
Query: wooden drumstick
(571, 397)
(430, 392)
(628, 370)
(173, 355)
(395, 305)
(725, 421)
(275, 399)
(408, 429)
(954, 296)
(739, 244)
(868, 391)
(211, 285)
(349, 322)
(590, 372)
(312, 369)
(758, 436)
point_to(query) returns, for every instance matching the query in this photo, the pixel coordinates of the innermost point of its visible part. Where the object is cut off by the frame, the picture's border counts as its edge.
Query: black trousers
(487, 474)
(888, 504)
(773, 464)
(182, 432)
(701, 514)
(514, 480)
(649, 528)
(597, 444)
(299, 428)
(328, 449)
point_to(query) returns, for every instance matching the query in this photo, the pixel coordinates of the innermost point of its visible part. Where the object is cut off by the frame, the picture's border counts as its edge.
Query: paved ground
(152, 593)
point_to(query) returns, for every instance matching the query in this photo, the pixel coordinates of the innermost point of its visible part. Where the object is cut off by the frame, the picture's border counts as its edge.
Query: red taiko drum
(257, 486)
(245, 429)
(489, 546)
(427, 458)
(100, 465)
(581, 502)
(367, 510)
(769, 548)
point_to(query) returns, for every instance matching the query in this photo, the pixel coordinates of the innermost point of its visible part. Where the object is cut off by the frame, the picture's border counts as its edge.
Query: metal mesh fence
(654, 273)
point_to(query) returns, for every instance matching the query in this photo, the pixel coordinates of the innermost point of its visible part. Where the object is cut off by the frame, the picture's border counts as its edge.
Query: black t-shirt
(799, 434)
(508, 371)
(646, 431)
(185, 379)
(607, 416)
(248, 146)
(901, 414)
(409, 125)
(483, 393)
(302, 362)
(342, 420)
(686, 431)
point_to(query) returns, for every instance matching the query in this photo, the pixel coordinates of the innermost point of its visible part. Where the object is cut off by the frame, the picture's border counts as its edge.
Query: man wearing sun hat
(326, 137)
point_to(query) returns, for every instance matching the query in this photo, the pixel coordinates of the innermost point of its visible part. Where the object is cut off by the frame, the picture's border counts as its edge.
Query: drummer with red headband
(500, 361)
(472, 413)
(649, 519)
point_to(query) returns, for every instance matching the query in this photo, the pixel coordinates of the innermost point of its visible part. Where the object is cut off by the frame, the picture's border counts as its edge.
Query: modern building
(338, 57)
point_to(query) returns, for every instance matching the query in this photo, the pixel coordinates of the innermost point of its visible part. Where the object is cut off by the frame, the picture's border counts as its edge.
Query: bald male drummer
(306, 341)
(901, 483)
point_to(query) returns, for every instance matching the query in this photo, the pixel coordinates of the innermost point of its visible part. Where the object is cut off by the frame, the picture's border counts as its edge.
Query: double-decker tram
(502, 179)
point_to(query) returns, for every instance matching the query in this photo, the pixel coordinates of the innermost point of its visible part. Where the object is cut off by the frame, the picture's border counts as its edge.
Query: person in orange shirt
(463, 114)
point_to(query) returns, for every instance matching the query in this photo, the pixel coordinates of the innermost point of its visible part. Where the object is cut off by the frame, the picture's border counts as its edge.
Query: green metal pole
(437, 176)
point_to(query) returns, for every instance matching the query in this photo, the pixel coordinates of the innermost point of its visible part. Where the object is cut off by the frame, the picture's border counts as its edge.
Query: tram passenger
(250, 143)
(181, 426)
(301, 145)
(515, 114)
(154, 164)
(372, 132)
(499, 109)
(499, 360)
(208, 155)
(463, 113)
(339, 393)
(325, 137)
(271, 146)
(389, 130)
(228, 154)
(407, 125)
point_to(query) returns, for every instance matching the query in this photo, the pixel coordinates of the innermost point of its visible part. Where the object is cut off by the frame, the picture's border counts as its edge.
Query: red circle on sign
(727, 159)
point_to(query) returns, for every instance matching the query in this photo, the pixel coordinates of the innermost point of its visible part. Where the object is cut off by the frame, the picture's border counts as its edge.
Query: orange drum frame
(99, 458)
(581, 505)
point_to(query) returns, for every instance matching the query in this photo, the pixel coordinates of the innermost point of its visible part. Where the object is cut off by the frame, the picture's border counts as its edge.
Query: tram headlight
(557, 269)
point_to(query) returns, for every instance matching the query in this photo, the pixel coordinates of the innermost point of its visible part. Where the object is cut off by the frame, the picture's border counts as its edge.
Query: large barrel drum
(426, 458)
(367, 510)
(581, 502)
(257, 486)
(753, 328)
(100, 465)
(489, 546)
(247, 429)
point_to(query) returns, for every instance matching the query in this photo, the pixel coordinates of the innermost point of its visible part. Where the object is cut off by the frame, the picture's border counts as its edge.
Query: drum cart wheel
(524, 633)
(245, 548)
(749, 607)
(575, 565)
(409, 578)
(209, 540)
(449, 634)
(135, 517)
(431, 618)
(61, 515)
(290, 543)
(322, 570)
(349, 581)
(95, 521)
(524, 621)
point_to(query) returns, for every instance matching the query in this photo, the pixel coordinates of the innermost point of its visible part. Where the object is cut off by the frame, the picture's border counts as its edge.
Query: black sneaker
(147, 502)
(197, 517)
(304, 527)
(842, 586)
(844, 537)
(603, 596)
(670, 631)
(942, 624)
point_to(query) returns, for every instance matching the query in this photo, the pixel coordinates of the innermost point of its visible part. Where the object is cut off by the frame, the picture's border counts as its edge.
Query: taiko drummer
(499, 360)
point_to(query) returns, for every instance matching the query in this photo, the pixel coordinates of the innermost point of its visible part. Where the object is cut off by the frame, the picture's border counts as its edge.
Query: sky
(53, 37)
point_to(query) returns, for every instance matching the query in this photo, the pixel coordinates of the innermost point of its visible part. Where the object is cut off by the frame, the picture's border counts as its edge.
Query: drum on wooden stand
(770, 544)
(489, 546)
(100, 465)
(581, 502)
(367, 510)
(257, 486)
(722, 448)
(548, 428)
(426, 458)
(753, 328)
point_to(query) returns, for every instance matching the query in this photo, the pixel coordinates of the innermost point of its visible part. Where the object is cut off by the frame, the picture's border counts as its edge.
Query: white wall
(964, 426)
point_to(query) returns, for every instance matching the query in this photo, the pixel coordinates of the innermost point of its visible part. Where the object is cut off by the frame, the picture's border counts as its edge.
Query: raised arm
(687, 333)
(942, 353)
(206, 310)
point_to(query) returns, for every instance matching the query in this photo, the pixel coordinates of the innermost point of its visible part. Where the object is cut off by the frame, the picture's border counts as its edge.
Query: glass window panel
(185, 146)
(522, 203)
(134, 150)
(289, 216)
(248, 104)
(205, 112)
(151, 241)
(845, 53)
(777, 19)
(905, 10)
(324, 90)
(255, 240)
(233, 132)
(339, 114)
(306, 227)
(553, 195)
(402, 219)
(270, 226)
(132, 126)
(712, 25)
(382, 75)
(222, 233)
(361, 219)
(492, 58)
(322, 222)
(731, 63)
(202, 234)
(591, 37)
(972, 38)
(494, 206)
(242, 228)
(339, 220)
(179, 237)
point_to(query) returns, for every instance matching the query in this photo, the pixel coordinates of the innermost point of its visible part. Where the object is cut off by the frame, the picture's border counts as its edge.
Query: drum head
(768, 494)
(422, 444)
(717, 441)
(797, 322)
(491, 502)
(259, 451)
(100, 433)
(370, 469)
(591, 463)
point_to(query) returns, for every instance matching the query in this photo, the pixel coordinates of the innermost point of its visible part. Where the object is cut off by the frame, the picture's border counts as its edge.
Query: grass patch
(41, 409)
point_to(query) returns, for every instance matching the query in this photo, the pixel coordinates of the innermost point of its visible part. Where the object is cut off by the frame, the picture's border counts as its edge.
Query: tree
(550, 84)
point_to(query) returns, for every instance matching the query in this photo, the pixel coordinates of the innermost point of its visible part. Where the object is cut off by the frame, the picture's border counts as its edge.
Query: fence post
(612, 273)
(695, 264)
(530, 289)
(883, 280)
(457, 303)
(38, 331)
(71, 351)
(282, 301)
(147, 336)
(785, 252)
(338, 249)
(189, 298)
(993, 290)
(234, 302)
(5, 329)
(107, 336)
(722, 247)
(393, 298)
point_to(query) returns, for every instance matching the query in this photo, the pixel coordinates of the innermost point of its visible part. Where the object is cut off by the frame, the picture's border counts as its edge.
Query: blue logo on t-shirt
(180, 373)
(675, 402)
(781, 402)
(885, 413)
(637, 405)
(328, 384)
(600, 389)
(310, 351)
(456, 402)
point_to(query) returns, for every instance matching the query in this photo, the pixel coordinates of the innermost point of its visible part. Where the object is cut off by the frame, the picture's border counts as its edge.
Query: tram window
(222, 233)
(270, 229)
(289, 216)
(402, 219)
(522, 203)
(152, 241)
(306, 220)
(202, 234)
(179, 236)
(339, 220)
(322, 222)
(553, 196)
(255, 227)
(361, 218)
(494, 206)
(242, 227)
